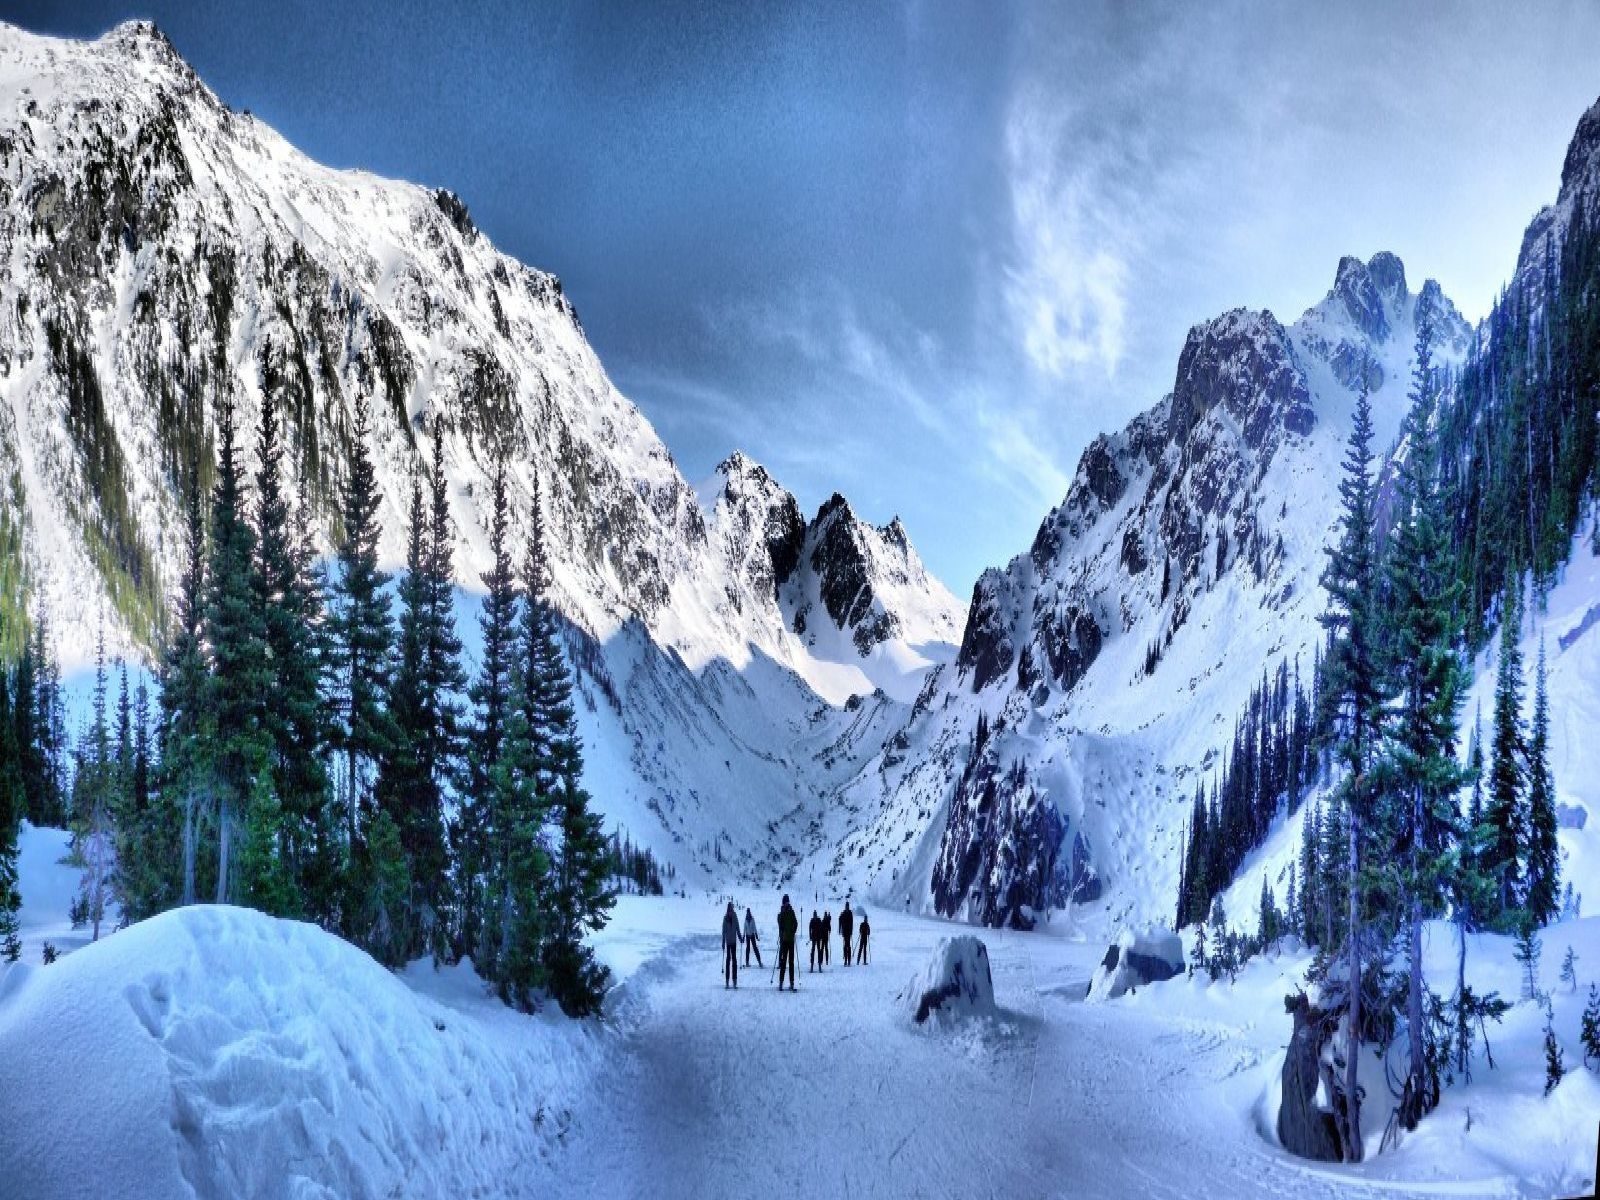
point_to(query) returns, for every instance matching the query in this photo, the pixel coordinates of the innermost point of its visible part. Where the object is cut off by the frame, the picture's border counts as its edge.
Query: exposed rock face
(1305, 1128)
(997, 860)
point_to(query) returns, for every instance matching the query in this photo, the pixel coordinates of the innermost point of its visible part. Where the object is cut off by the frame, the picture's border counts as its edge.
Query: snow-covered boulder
(956, 982)
(1136, 958)
(214, 1051)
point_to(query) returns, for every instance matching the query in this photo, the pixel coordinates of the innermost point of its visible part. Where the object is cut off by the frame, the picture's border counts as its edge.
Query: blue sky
(922, 253)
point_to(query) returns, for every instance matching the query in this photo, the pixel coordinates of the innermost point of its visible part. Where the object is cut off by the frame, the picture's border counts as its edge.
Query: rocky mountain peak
(1361, 289)
(1242, 362)
(1581, 169)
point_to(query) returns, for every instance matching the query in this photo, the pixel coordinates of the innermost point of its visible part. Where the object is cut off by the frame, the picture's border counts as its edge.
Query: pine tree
(183, 777)
(580, 897)
(491, 700)
(1473, 893)
(1590, 1033)
(1569, 969)
(361, 636)
(287, 817)
(422, 705)
(1505, 807)
(1353, 688)
(1554, 1067)
(13, 804)
(1420, 774)
(1543, 872)
(238, 694)
(1527, 953)
(93, 800)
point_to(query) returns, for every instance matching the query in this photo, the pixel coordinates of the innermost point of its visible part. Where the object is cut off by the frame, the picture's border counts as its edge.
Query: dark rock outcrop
(997, 858)
(1305, 1128)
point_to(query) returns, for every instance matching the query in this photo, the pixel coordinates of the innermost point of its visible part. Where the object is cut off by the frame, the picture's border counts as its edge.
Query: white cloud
(1067, 283)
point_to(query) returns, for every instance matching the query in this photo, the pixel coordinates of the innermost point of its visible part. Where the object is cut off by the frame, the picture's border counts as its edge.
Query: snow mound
(956, 982)
(215, 1051)
(1136, 958)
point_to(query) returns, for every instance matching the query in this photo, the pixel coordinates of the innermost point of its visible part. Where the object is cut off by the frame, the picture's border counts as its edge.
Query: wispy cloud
(1066, 285)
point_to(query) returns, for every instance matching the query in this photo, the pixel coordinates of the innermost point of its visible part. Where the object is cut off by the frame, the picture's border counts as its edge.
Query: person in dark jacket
(751, 938)
(827, 937)
(788, 927)
(730, 947)
(847, 923)
(814, 929)
(866, 932)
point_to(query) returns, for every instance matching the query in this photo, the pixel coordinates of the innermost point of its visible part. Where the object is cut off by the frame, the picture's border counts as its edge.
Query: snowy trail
(829, 1092)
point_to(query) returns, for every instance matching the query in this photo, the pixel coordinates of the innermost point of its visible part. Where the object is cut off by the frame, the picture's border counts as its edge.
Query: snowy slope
(162, 251)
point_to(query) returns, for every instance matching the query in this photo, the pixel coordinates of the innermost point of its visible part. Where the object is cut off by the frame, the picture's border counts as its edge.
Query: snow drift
(955, 982)
(1135, 959)
(217, 1052)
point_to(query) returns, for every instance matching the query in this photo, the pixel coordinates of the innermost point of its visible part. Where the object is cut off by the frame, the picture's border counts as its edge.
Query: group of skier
(854, 938)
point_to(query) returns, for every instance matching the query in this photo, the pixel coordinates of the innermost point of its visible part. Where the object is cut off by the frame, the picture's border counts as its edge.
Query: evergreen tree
(13, 804)
(1420, 774)
(1554, 1067)
(1543, 860)
(237, 694)
(412, 784)
(1473, 893)
(184, 773)
(287, 818)
(93, 801)
(1505, 809)
(580, 895)
(491, 700)
(362, 636)
(1569, 969)
(1353, 694)
(1590, 1032)
(1527, 954)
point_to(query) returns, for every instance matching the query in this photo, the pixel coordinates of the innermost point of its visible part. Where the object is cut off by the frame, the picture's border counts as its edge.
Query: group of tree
(33, 766)
(315, 749)
(1271, 764)
(1405, 831)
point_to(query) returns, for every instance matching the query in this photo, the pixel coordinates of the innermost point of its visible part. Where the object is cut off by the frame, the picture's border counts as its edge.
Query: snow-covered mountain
(1102, 671)
(1052, 763)
(162, 251)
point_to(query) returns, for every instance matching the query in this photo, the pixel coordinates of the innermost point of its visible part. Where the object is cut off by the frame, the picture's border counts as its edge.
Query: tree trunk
(188, 846)
(224, 836)
(1461, 995)
(1352, 1093)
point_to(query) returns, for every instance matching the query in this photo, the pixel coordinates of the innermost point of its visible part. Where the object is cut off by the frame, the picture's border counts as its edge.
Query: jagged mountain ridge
(164, 252)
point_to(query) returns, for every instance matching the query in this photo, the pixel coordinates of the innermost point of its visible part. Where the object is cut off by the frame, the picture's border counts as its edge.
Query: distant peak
(142, 35)
(835, 503)
(1388, 273)
(1583, 153)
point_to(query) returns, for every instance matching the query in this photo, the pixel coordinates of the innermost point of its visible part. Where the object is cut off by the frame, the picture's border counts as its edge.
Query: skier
(815, 931)
(847, 922)
(827, 937)
(751, 936)
(788, 926)
(866, 931)
(730, 947)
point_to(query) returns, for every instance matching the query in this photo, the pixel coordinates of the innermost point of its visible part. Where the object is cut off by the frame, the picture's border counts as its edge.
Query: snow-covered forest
(410, 784)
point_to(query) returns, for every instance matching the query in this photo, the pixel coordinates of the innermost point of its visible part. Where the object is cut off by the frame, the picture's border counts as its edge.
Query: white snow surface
(215, 1052)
